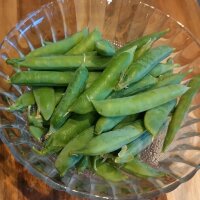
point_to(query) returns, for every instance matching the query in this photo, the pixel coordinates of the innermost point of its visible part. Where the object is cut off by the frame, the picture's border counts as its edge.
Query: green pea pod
(144, 65)
(141, 169)
(105, 48)
(66, 159)
(23, 101)
(151, 122)
(104, 85)
(145, 83)
(139, 102)
(61, 62)
(36, 132)
(60, 47)
(129, 152)
(110, 173)
(143, 49)
(45, 100)
(163, 68)
(74, 89)
(84, 164)
(169, 80)
(72, 127)
(181, 111)
(99, 145)
(48, 78)
(167, 73)
(58, 95)
(107, 123)
(87, 44)
(142, 40)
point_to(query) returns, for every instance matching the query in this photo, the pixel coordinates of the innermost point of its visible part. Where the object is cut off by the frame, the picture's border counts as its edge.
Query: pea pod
(144, 65)
(145, 83)
(169, 80)
(23, 101)
(99, 145)
(45, 99)
(152, 124)
(143, 49)
(107, 123)
(36, 132)
(104, 85)
(60, 47)
(66, 159)
(58, 95)
(105, 48)
(72, 127)
(87, 44)
(142, 40)
(129, 152)
(181, 111)
(110, 173)
(141, 169)
(61, 62)
(163, 68)
(139, 102)
(74, 89)
(48, 78)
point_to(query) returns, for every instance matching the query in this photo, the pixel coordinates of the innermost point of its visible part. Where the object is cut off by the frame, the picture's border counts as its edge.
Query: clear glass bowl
(120, 21)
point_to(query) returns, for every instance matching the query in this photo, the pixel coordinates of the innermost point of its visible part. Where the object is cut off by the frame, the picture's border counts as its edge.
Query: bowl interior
(119, 21)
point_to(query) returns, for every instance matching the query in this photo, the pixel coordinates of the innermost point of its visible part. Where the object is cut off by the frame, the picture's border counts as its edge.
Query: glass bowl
(120, 21)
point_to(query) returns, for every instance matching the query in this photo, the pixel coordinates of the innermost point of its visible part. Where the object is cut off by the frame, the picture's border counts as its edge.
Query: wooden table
(16, 182)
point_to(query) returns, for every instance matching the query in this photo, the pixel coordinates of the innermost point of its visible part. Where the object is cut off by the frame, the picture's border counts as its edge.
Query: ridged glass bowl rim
(57, 186)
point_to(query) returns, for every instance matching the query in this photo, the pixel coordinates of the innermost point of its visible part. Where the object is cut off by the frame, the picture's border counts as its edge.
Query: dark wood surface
(16, 182)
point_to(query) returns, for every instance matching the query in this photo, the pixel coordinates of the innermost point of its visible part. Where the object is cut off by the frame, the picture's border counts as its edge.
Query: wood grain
(16, 182)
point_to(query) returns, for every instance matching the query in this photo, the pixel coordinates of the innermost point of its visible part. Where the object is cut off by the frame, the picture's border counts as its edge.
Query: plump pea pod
(105, 48)
(156, 117)
(104, 85)
(144, 65)
(83, 164)
(66, 159)
(99, 145)
(141, 169)
(181, 111)
(72, 127)
(74, 89)
(87, 44)
(142, 40)
(36, 132)
(45, 100)
(48, 78)
(129, 152)
(63, 63)
(169, 80)
(163, 68)
(145, 83)
(107, 123)
(23, 101)
(109, 173)
(60, 47)
(139, 102)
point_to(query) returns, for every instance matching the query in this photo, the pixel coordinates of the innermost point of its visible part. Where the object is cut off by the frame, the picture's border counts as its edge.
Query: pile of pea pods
(97, 107)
